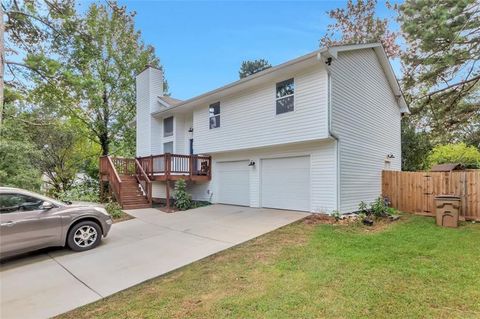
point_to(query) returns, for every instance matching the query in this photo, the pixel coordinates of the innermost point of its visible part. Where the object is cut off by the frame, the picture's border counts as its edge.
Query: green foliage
(17, 154)
(362, 207)
(379, 208)
(336, 214)
(183, 200)
(441, 74)
(455, 153)
(416, 146)
(114, 209)
(251, 67)
(86, 191)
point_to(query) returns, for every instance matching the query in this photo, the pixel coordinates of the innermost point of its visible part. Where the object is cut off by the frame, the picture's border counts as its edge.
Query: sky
(202, 44)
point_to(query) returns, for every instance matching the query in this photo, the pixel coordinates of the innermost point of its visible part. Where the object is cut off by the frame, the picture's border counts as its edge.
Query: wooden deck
(130, 179)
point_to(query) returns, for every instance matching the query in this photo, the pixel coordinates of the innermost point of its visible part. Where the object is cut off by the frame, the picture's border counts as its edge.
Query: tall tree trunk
(104, 139)
(104, 143)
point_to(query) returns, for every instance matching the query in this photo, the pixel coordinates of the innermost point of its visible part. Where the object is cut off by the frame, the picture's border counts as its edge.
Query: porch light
(252, 163)
(190, 130)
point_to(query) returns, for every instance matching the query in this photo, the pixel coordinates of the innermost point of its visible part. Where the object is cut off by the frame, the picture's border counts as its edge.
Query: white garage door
(285, 183)
(234, 183)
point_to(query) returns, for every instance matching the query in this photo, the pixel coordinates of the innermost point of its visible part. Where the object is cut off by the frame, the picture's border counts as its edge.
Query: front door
(24, 225)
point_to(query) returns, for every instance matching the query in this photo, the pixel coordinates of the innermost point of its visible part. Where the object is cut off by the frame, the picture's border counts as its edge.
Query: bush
(379, 208)
(455, 153)
(87, 190)
(114, 209)
(183, 200)
(336, 214)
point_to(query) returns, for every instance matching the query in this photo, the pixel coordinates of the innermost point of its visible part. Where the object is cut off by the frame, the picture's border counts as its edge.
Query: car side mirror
(47, 205)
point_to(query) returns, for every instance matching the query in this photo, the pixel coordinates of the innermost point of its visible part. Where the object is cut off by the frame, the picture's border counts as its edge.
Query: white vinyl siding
(285, 183)
(248, 119)
(149, 85)
(366, 119)
(322, 183)
(233, 183)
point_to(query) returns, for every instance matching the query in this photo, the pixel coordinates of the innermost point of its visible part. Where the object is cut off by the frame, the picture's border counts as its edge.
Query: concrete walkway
(50, 283)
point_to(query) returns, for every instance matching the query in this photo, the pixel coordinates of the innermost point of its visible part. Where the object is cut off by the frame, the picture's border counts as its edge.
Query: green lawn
(409, 269)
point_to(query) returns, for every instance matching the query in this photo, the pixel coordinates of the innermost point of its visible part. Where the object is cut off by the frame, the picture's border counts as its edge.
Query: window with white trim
(284, 96)
(214, 115)
(168, 126)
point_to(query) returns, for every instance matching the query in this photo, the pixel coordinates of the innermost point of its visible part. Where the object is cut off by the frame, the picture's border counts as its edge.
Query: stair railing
(143, 180)
(107, 168)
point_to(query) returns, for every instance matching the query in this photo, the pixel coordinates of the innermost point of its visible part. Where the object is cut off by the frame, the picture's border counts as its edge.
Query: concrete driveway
(53, 282)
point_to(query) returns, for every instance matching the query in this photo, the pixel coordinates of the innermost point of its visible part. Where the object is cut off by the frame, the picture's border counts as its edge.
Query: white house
(311, 134)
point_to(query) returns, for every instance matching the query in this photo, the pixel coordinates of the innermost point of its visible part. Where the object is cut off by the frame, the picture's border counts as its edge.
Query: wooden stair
(131, 193)
(127, 182)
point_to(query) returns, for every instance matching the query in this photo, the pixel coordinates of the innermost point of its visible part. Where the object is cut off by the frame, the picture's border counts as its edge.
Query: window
(214, 115)
(14, 203)
(168, 147)
(168, 126)
(284, 98)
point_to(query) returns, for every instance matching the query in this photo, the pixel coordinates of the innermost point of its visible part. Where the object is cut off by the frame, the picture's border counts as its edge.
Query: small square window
(214, 115)
(168, 126)
(285, 96)
(168, 147)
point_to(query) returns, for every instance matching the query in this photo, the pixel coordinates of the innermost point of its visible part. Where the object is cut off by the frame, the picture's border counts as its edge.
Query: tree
(17, 153)
(60, 157)
(31, 29)
(455, 153)
(358, 23)
(416, 146)
(85, 65)
(99, 68)
(251, 67)
(442, 73)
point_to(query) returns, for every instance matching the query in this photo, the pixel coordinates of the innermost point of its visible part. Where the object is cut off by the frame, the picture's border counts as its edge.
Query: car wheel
(84, 236)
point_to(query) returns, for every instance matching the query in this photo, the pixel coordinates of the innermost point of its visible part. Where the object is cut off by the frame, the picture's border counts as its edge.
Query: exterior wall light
(252, 163)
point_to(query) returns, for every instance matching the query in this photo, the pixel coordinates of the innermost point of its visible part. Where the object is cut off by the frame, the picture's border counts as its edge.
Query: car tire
(84, 236)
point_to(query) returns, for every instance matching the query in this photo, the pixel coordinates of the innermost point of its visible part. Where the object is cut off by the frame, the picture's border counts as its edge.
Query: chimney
(149, 86)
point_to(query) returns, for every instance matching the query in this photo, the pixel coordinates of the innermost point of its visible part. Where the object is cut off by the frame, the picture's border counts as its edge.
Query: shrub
(183, 200)
(455, 153)
(86, 190)
(336, 214)
(362, 207)
(114, 209)
(379, 208)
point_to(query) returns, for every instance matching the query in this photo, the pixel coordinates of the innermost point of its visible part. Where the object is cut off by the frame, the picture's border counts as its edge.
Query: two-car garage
(281, 182)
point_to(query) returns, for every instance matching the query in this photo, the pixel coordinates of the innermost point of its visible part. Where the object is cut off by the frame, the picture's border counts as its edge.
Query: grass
(409, 269)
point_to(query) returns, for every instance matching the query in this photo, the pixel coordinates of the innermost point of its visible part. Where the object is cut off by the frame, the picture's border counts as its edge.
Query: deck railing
(176, 164)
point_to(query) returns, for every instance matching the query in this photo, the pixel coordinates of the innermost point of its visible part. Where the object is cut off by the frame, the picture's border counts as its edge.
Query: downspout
(330, 133)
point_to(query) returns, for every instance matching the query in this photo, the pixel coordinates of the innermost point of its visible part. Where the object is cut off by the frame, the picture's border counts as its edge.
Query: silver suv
(29, 221)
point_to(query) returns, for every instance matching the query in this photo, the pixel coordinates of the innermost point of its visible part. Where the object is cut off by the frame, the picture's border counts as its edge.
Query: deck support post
(167, 192)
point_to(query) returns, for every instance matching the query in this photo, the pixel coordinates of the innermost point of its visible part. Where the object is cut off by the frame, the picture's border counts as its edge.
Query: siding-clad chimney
(149, 85)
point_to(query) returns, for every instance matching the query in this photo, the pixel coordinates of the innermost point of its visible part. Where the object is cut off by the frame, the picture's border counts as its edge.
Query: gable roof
(298, 63)
(168, 101)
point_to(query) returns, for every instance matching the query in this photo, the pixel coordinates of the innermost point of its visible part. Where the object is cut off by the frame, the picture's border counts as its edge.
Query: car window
(12, 203)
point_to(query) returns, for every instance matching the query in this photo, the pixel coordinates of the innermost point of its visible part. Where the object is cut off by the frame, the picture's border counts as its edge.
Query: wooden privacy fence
(415, 192)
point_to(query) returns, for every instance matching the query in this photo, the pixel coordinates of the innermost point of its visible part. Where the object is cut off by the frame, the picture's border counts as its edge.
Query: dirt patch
(123, 218)
(314, 219)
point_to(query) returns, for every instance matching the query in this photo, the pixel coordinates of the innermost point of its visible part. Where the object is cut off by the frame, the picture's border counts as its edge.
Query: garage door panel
(233, 183)
(285, 183)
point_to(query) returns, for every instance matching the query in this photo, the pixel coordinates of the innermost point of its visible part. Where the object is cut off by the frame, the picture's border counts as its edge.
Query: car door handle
(8, 224)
